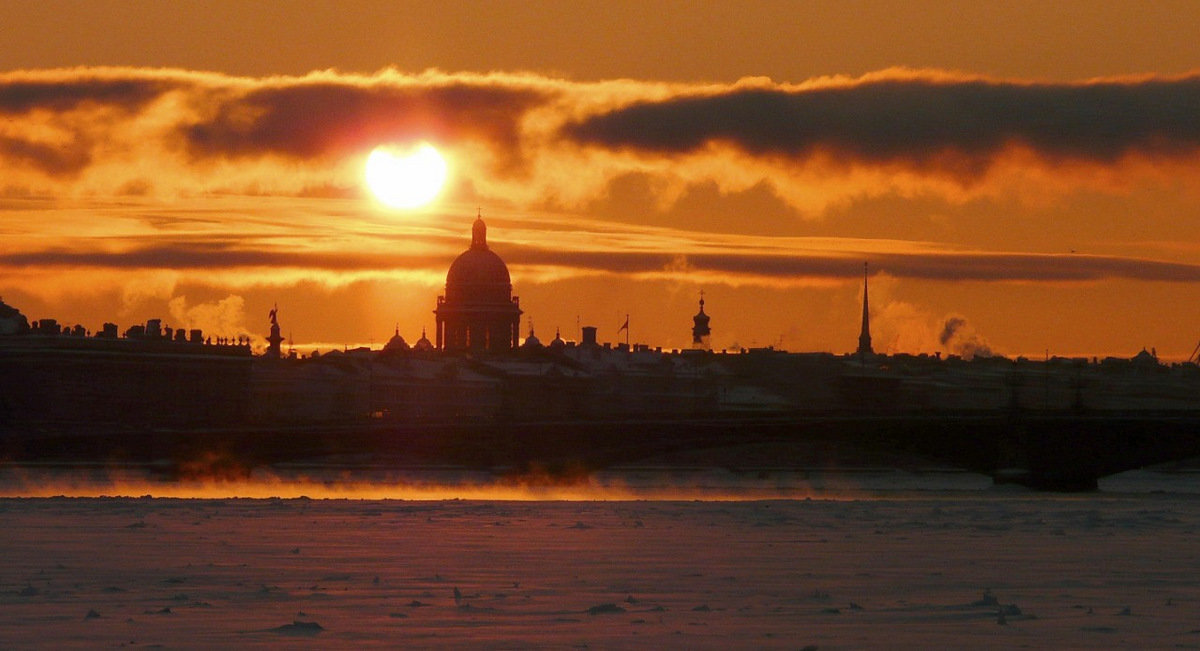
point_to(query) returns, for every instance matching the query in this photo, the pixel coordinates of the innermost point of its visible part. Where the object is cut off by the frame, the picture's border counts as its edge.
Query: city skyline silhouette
(1022, 202)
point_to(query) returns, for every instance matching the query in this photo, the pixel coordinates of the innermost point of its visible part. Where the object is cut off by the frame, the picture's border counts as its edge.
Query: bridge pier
(1058, 482)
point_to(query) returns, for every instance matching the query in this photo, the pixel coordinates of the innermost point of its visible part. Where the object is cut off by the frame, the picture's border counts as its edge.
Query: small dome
(532, 341)
(396, 343)
(557, 342)
(423, 344)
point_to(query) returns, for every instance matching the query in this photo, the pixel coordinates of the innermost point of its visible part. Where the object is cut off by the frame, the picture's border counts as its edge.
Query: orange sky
(1022, 178)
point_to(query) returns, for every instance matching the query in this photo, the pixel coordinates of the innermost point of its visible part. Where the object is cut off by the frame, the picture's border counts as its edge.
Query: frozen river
(637, 559)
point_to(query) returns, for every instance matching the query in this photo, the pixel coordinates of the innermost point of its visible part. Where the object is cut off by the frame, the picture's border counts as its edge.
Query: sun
(406, 177)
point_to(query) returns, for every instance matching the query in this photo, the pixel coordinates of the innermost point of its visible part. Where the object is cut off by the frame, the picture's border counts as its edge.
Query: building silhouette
(478, 312)
(864, 336)
(275, 339)
(396, 344)
(11, 320)
(700, 329)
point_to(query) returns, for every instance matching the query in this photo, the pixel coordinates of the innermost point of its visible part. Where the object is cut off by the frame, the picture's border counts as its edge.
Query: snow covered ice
(981, 568)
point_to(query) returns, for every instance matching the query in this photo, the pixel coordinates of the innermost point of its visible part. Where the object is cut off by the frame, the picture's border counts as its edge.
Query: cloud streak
(965, 266)
(956, 125)
(63, 91)
(54, 160)
(331, 116)
(178, 130)
(735, 267)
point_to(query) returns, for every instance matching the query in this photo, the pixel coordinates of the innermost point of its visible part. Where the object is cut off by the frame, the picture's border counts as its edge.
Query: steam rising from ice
(448, 484)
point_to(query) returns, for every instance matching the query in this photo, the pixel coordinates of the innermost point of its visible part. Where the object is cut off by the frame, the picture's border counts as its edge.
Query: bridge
(1059, 451)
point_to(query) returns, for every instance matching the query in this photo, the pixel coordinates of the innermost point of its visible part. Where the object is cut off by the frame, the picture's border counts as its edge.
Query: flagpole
(627, 334)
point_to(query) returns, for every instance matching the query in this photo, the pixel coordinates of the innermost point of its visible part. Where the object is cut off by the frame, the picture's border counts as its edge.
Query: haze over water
(634, 483)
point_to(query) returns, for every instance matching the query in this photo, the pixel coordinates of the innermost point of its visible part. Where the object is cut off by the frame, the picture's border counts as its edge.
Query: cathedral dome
(478, 267)
(478, 313)
(478, 275)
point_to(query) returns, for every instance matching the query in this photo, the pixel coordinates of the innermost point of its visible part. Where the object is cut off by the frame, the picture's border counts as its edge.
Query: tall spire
(864, 337)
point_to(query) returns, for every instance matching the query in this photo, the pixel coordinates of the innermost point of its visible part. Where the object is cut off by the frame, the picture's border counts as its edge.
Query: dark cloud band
(982, 267)
(63, 159)
(978, 267)
(218, 117)
(57, 93)
(923, 122)
(331, 118)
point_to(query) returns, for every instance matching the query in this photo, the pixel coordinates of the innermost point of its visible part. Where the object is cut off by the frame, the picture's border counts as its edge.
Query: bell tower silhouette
(700, 329)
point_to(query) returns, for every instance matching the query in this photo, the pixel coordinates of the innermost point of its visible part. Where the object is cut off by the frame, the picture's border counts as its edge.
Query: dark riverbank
(1057, 451)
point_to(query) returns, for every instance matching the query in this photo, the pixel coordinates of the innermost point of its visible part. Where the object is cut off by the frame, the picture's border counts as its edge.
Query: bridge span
(1061, 451)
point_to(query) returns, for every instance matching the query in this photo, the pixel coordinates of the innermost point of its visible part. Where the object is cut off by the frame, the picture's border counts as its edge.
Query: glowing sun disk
(406, 178)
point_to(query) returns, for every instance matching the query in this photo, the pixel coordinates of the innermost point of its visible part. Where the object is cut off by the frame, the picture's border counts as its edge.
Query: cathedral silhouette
(478, 311)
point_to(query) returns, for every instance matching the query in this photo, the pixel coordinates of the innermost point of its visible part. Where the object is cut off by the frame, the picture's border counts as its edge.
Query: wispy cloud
(279, 249)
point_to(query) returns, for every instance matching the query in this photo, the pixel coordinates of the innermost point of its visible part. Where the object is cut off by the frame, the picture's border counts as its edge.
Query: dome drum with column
(478, 312)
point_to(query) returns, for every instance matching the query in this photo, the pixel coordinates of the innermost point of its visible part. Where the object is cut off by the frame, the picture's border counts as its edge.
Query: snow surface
(979, 568)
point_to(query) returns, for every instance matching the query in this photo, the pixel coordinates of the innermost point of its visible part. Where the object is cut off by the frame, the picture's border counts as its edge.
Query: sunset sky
(1022, 177)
